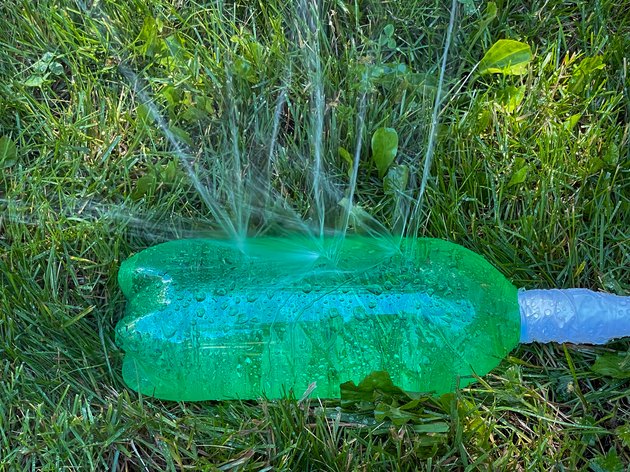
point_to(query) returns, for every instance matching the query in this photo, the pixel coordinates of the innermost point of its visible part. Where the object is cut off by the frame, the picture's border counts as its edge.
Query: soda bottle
(212, 319)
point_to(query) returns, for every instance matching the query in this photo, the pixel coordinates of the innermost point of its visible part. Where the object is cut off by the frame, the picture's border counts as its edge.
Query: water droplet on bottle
(307, 288)
(360, 313)
(168, 330)
(375, 289)
(200, 296)
(388, 285)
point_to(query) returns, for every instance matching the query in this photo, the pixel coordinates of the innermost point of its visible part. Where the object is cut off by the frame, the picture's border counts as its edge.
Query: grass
(542, 191)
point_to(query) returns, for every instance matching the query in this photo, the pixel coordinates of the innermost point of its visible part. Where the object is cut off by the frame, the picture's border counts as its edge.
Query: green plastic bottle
(211, 319)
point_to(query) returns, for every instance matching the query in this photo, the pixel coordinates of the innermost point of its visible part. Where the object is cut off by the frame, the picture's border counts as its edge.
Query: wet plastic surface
(211, 320)
(574, 315)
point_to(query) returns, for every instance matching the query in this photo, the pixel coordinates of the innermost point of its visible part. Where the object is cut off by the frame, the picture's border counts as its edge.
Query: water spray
(239, 318)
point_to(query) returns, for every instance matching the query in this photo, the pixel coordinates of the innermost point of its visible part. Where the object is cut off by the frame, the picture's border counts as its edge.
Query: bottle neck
(578, 316)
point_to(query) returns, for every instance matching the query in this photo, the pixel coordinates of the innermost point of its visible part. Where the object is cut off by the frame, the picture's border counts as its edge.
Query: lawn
(123, 125)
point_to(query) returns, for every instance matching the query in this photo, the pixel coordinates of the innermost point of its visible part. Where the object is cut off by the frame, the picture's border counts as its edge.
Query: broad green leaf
(206, 104)
(391, 75)
(370, 388)
(256, 52)
(595, 166)
(8, 152)
(507, 57)
(518, 163)
(244, 70)
(173, 95)
(412, 405)
(396, 180)
(613, 365)
(510, 98)
(484, 120)
(397, 415)
(181, 134)
(491, 13)
(145, 184)
(376, 71)
(56, 68)
(144, 116)
(171, 173)
(42, 65)
(384, 148)
(35, 81)
(174, 44)
(251, 50)
(194, 114)
(149, 41)
(586, 71)
(573, 120)
(518, 177)
(347, 157)
(387, 37)
(611, 156)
